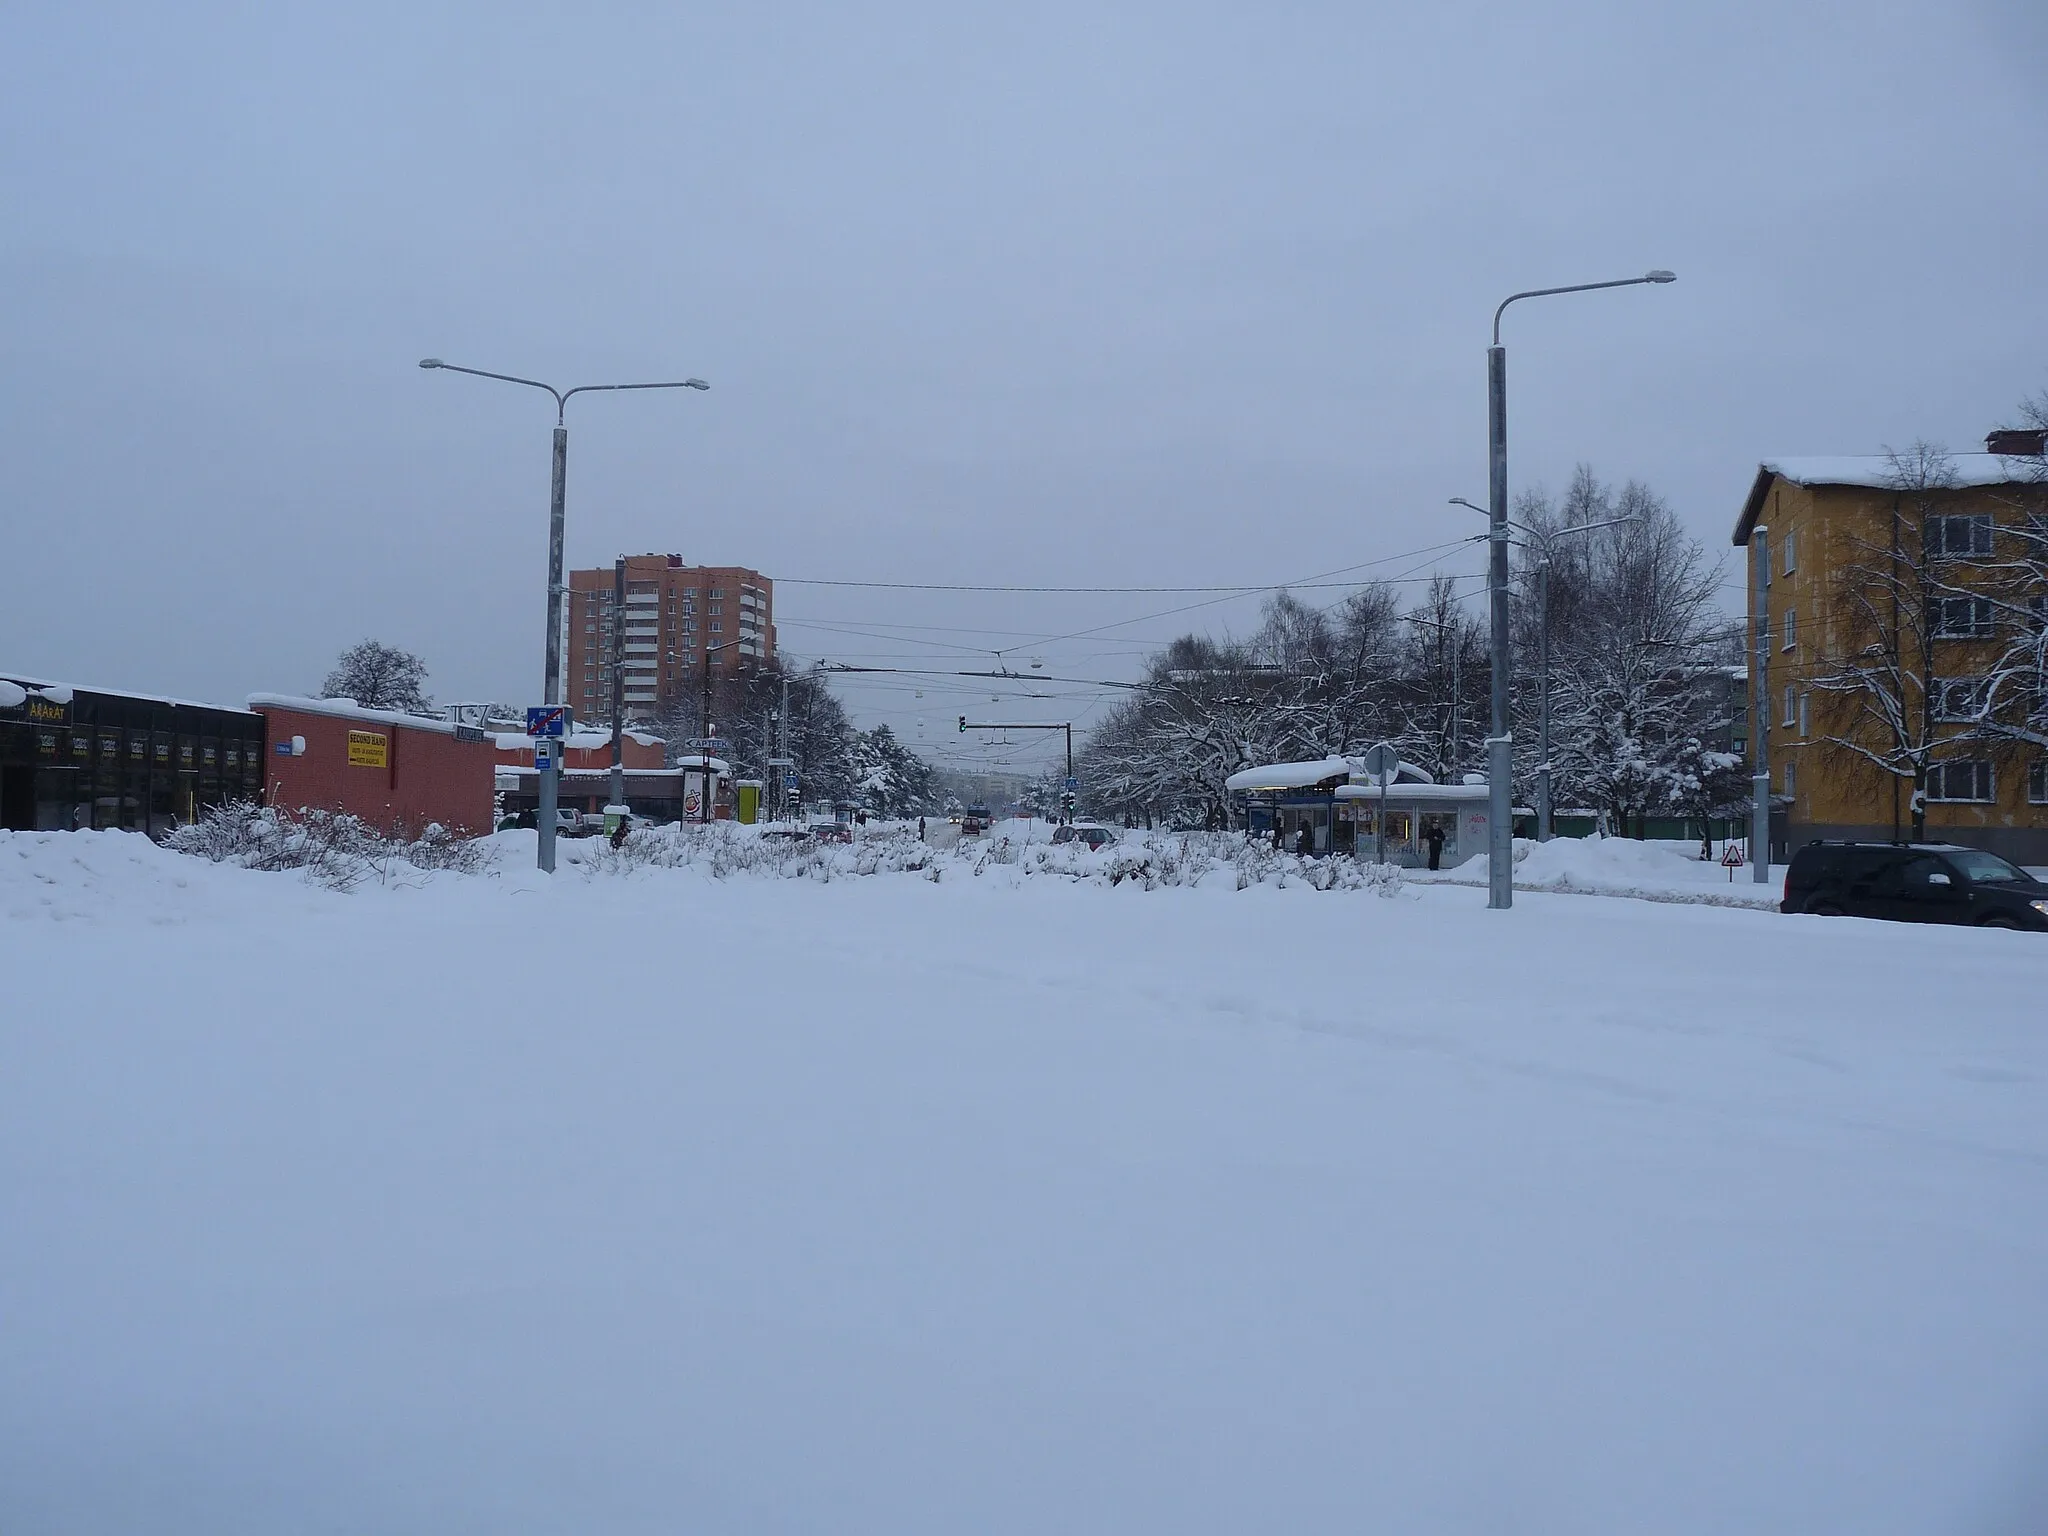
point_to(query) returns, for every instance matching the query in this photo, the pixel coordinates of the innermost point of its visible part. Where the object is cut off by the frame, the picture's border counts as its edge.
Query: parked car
(567, 823)
(832, 832)
(1076, 832)
(1913, 883)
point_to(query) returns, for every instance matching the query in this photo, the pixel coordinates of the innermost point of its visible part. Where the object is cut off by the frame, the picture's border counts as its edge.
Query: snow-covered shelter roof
(1878, 471)
(1288, 775)
(1274, 776)
(1412, 792)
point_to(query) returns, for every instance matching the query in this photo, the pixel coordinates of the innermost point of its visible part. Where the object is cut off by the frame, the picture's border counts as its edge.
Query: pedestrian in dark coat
(1435, 837)
(1305, 841)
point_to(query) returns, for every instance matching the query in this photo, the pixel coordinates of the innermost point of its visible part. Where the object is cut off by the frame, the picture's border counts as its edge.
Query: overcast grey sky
(1109, 294)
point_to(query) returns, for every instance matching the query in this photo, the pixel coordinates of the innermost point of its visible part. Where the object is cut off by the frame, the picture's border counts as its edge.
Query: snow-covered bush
(1145, 861)
(329, 848)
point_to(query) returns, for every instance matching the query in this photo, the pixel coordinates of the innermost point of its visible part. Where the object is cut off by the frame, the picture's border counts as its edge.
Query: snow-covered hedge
(1148, 861)
(330, 848)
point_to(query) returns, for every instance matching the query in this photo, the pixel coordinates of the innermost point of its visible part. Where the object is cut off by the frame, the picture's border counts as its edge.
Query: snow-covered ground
(656, 1202)
(1621, 866)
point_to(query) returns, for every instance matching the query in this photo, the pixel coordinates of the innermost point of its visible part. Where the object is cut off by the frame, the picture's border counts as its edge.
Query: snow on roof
(349, 709)
(117, 693)
(580, 738)
(1289, 775)
(1400, 790)
(519, 741)
(1303, 775)
(1877, 471)
(596, 773)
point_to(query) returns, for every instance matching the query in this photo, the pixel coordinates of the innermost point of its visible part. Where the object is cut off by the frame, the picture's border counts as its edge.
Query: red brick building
(678, 622)
(406, 771)
(392, 770)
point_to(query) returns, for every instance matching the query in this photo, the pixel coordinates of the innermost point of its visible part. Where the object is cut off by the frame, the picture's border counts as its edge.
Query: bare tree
(379, 676)
(1878, 678)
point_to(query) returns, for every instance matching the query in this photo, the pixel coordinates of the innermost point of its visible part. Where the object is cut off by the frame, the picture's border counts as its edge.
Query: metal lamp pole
(1500, 845)
(704, 725)
(618, 786)
(551, 686)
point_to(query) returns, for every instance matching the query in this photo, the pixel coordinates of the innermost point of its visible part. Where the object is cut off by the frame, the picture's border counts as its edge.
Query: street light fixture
(703, 742)
(1500, 845)
(551, 688)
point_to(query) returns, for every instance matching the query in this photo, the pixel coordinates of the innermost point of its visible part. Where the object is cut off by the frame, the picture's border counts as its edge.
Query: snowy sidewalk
(1617, 866)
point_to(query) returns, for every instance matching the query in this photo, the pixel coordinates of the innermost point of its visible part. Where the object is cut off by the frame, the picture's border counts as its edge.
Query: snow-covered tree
(379, 676)
(819, 735)
(889, 778)
(1633, 630)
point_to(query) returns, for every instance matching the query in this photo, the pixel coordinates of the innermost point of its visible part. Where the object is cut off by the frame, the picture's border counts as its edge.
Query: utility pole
(1543, 833)
(618, 794)
(704, 743)
(1760, 707)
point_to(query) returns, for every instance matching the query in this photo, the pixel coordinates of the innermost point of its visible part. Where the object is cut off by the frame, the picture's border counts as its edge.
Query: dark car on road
(1914, 883)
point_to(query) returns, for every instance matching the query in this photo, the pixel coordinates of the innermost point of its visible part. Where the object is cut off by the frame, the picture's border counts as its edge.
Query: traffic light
(963, 723)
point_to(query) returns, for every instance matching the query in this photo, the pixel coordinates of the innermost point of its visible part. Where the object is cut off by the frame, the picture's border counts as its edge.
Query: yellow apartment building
(1905, 652)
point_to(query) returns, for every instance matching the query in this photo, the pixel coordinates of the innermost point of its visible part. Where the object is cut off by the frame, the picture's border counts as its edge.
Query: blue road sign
(789, 781)
(1072, 785)
(543, 753)
(547, 719)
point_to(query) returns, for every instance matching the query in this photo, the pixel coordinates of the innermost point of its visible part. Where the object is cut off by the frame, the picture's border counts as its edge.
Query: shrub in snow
(329, 848)
(1145, 861)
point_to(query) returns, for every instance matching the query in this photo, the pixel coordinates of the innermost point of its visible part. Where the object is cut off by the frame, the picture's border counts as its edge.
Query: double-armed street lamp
(1500, 845)
(551, 688)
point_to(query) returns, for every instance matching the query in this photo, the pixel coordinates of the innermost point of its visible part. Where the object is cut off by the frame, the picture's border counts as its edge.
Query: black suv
(1913, 883)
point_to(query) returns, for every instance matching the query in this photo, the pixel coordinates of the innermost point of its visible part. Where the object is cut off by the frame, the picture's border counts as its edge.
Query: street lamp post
(618, 689)
(551, 685)
(704, 725)
(1500, 845)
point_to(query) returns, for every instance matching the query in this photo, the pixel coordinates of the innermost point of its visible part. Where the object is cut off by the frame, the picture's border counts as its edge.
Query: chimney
(2017, 440)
